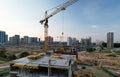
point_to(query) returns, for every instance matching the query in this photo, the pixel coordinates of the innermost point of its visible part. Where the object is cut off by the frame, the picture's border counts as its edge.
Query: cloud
(94, 26)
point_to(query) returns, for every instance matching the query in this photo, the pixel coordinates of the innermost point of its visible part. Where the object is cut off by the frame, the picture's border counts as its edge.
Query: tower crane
(45, 20)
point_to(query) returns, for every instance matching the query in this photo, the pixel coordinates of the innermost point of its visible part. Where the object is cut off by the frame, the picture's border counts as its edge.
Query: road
(2, 67)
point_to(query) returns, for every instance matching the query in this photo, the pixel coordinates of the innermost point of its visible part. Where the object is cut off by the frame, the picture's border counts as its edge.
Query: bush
(107, 51)
(90, 49)
(81, 63)
(107, 71)
(4, 73)
(3, 59)
(112, 55)
(3, 55)
(117, 52)
(11, 57)
(23, 54)
(104, 44)
(2, 51)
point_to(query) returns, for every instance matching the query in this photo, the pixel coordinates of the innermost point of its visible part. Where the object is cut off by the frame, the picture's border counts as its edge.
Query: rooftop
(47, 60)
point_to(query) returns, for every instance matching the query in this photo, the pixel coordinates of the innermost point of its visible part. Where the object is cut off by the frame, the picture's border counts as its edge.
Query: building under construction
(44, 65)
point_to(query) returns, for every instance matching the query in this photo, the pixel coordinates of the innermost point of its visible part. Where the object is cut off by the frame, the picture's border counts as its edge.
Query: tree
(104, 44)
(3, 51)
(90, 49)
(11, 57)
(101, 46)
(116, 45)
(24, 54)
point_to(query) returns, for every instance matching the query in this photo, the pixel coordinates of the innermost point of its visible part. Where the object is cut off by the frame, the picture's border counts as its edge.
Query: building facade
(86, 43)
(3, 37)
(72, 41)
(110, 40)
(32, 40)
(15, 40)
(50, 40)
(26, 39)
(69, 41)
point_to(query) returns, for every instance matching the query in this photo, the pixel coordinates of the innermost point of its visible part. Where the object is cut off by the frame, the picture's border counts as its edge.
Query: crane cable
(62, 27)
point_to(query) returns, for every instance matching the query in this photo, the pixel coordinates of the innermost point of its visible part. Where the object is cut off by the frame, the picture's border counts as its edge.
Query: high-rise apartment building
(15, 40)
(50, 40)
(32, 40)
(26, 39)
(69, 41)
(86, 43)
(3, 37)
(6, 39)
(110, 40)
(72, 41)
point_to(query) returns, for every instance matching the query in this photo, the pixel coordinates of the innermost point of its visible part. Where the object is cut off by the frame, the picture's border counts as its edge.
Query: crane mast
(45, 20)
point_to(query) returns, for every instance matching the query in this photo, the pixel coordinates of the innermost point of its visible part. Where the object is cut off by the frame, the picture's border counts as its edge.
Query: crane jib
(62, 7)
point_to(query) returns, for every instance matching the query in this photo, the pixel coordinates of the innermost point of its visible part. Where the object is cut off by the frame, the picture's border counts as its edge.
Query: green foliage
(90, 49)
(3, 51)
(107, 51)
(104, 44)
(24, 54)
(3, 59)
(3, 55)
(117, 52)
(112, 55)
(116, 45)
(107, 71)
(4, 73)
(102, 47)
(11, 57)
(81, 63)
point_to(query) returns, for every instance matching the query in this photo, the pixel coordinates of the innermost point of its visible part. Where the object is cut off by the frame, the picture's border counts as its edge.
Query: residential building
(110, 40)
(6, 39)
(75, 42)
(69, 41)
(50, 40)
(38, 40)
(15, 40)
(72, 41)
(32, 40)
(86, 43)
(26, 39)
(3, 37)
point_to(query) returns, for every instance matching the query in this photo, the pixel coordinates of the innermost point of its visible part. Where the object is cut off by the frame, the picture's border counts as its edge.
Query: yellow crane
(45, 20)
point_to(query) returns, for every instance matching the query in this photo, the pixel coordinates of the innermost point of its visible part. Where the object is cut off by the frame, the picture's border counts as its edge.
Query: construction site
(49, 63)
(59, 38)
(62, 60)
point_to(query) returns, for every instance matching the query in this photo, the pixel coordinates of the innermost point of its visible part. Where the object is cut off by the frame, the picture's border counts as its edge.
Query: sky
(84, 18)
